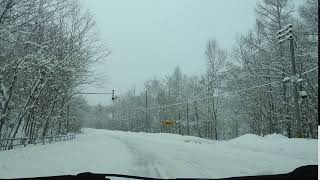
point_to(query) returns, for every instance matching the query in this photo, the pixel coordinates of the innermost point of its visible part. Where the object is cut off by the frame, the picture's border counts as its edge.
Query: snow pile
(167, 137)
(278, 144)
(160, 155)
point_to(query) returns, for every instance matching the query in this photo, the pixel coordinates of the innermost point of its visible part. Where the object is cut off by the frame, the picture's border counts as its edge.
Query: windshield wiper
(304, 172)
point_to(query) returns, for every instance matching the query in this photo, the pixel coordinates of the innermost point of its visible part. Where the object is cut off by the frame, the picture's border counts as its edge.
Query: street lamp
(287, 34)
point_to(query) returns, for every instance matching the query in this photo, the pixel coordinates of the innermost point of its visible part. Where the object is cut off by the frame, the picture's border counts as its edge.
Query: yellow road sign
(167, 123)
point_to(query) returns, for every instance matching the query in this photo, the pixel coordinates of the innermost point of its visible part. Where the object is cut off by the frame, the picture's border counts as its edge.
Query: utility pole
(112, 110)
(188, 126)
(285, 34)
(295, 88)
(68, 111)
(146, 116)
(100, 116)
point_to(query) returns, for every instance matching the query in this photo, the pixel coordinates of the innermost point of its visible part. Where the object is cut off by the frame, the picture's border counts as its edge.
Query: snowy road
(159, 155)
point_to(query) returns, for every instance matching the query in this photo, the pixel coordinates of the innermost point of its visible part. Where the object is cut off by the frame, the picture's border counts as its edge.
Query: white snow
(303, 93)
(300, 80)
(286, 79)
(160, 155)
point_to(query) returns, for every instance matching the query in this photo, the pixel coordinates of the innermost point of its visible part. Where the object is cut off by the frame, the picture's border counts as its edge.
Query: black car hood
(303, 173)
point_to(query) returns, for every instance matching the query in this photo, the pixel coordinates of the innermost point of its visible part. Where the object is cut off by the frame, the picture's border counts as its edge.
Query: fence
(10, 143)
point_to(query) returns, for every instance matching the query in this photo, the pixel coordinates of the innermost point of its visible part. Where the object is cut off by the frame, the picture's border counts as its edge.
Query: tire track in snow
(146, 163)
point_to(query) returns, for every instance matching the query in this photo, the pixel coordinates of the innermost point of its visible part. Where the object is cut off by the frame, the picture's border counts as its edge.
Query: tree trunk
(24, 111)
(215, 121)
(61, 114)
(197, 119)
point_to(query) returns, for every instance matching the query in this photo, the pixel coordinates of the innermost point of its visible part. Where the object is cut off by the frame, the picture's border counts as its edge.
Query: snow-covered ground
(159, 155)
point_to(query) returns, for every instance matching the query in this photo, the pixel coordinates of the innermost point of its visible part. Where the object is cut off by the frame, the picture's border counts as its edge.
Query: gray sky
(149, 38)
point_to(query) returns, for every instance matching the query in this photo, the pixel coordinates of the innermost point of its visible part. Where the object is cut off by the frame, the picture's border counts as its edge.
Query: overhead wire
(216, 95)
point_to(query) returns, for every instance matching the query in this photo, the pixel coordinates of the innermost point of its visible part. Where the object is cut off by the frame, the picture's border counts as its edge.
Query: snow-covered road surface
(159, 155)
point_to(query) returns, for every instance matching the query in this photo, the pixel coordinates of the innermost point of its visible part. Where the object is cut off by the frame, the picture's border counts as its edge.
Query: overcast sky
(149, 38)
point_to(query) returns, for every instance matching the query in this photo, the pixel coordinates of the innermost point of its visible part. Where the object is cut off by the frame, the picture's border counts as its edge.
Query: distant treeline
(248, 89)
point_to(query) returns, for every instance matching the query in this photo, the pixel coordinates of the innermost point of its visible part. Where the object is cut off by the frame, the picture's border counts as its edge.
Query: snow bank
(160, 155)
(166, 137)
(278, 144)
(248, 154)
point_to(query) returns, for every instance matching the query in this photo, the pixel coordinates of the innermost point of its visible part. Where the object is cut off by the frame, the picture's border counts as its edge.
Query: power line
(309, 71)
(222, 94)
(135, 117)
(209, 97)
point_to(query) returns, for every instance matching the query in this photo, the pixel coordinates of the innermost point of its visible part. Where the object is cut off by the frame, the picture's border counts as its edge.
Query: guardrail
(10, 143)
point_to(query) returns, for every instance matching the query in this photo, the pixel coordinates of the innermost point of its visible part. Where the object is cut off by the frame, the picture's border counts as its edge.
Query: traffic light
(112, 95)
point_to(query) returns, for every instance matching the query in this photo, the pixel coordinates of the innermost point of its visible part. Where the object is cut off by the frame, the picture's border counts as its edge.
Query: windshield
(158, 88)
